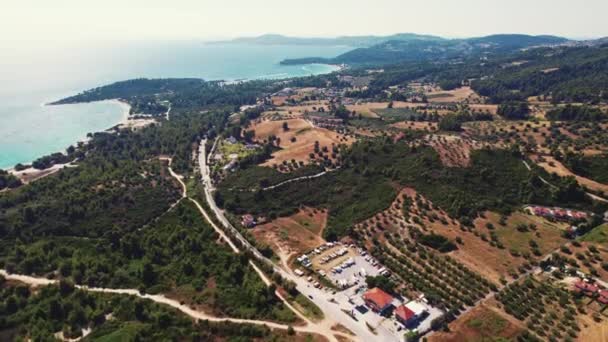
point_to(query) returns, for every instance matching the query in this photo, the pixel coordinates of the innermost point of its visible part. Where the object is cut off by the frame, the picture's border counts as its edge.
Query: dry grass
(305, 135)
(295, 234)
(416, 125)
(457, 95)
(481, 324)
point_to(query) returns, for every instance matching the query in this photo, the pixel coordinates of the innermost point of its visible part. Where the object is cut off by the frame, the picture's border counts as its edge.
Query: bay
(33, 75)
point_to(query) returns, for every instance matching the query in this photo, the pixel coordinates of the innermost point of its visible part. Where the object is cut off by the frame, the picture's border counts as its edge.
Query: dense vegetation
(177, 251)
(576, 113)
(593, 167)
(8, 181)
(514, 110)
(399, 50)
(141, 87)
(39, 315)
(496, 180)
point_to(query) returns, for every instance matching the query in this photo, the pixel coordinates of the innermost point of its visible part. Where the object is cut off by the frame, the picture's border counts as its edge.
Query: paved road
(319, 297)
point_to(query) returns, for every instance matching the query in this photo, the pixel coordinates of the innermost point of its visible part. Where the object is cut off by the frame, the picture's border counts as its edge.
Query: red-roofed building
(404, 315)
(586, 288)
(377, 300)
(603, 298)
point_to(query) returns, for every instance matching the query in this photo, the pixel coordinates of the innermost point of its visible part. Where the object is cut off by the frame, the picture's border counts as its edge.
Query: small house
(378, 300)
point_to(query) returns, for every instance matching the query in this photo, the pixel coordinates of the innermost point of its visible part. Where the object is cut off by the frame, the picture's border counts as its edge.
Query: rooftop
(404, 313)
(378, 297)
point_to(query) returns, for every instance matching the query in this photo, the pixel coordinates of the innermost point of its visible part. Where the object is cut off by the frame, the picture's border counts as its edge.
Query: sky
(56, 21)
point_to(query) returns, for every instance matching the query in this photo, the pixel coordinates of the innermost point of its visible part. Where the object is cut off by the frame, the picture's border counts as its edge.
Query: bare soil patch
(295, 234)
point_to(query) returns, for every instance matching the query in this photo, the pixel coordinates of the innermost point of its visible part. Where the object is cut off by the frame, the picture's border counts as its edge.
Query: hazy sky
(70, 20)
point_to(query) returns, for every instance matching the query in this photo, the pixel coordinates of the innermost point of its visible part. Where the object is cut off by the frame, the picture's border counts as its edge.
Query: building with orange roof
(377, 300)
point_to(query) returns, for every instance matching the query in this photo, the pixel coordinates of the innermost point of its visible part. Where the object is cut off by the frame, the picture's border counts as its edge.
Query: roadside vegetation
(61, 309)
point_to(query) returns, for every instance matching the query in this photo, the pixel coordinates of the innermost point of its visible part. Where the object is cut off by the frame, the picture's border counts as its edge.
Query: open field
(490, 108)
(545, 233)
(294, 111)
(295, 234)
(598, 235)
(416, 125)
(305, 136)
(368, 109)
(478, 250)
(592, 330)
(480, 324)
(456, 95)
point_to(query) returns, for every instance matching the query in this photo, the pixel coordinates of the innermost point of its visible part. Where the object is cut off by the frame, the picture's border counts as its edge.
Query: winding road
(332, 312)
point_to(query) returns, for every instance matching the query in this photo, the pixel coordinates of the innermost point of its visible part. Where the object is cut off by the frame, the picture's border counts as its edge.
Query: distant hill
(354, 41)
(392, 51)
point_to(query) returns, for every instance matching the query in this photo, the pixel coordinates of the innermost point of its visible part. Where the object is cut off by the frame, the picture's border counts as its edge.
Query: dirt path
(324, 328)
(295, 180)
(34, 281)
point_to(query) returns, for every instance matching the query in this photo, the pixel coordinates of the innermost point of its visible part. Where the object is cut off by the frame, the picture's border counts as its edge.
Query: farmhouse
(378, 300)
(404, 315)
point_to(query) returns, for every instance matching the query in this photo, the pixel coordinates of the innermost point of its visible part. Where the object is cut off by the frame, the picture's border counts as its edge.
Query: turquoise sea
(33, 76)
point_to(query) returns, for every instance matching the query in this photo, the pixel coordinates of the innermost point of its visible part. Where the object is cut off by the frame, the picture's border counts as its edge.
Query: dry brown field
(305, 137)
(293, 235)
(482, 323)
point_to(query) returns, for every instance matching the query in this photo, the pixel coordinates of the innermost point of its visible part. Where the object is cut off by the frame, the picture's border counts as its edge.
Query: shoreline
(126, 109)
(124, 119)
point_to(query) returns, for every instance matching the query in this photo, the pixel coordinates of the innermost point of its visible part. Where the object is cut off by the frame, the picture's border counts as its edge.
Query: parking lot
(345, 266)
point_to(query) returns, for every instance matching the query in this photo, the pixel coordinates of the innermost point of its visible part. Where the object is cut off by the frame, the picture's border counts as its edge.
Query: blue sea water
(34, 76)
